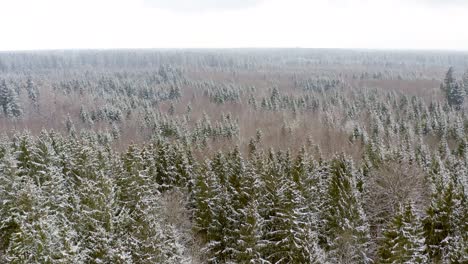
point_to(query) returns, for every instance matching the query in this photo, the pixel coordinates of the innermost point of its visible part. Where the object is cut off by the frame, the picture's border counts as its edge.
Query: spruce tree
(250, 244)
(219, 247)
(456, 95)
(9, 101)
(287, 233)
(445, 222)
(9, 184)
(203, 194)
(4, 93)
(34, 240)
(147, 238)
(454, 90)
(33, 93)
(345, 225)
(465, 81)
(448, 80)
(403, 239)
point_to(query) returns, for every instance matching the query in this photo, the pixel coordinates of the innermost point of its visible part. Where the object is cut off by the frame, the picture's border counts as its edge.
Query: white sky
(395, 24)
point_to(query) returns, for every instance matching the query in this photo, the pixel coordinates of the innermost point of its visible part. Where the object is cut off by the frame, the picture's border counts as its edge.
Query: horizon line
(237, 48)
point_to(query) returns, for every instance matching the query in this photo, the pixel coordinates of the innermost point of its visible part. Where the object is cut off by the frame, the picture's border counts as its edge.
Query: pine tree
(43, 158)
(345, 225)
(203, 193)
(132, 182)
(287, 233)
(4, 92)
(448, 80)
(239, 195)
(222, 228)
(219, 247)
(57, 201)
(32, 217)
(444, 222)
(85, 117)
(252, 148)
(167, 175)
(70, 126)
(33, 93)
(403, 240)
(115, 131)
(244, 220)
(456, 95)
(186, 166)
(9, 183)
(250, 244)
(23, 151)
(147, 238)
(33, 240)
(454, 91)
(174, 92)
(465, 81)
(9, 101)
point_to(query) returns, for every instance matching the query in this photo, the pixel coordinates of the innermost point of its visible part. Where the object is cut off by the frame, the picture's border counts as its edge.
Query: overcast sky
(394, 24)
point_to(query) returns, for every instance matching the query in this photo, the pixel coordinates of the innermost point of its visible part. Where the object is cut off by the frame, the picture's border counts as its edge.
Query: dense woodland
(233, 156)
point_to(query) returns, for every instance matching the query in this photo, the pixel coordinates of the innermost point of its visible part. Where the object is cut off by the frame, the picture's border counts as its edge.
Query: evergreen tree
(287, 234)
(23, 151)
(250, 243)
(147, 238)
(403, 240)
(9, 101)
(445, 222)
(345, 225)
(465, 81)
(33, 93)
(454, 91)
(167, 175)
(4, 92)
(70, 126)
(219, 248)
(34, 240)
(448, 80)
(203, 197)
(9, 184)
(456, 95)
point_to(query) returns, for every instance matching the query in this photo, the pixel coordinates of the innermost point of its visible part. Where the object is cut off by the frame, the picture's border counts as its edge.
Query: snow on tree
(287, 233)
(219, 248)
(454, 90)
(403, 239)
(203, 193)
(465, 81)
(9, 101)
(444, 223)
(33, 92)
(345, 225)
(250, 237)
(456, 95)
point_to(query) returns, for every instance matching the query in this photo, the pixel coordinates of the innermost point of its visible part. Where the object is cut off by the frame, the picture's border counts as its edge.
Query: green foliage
(454, 90)
(444, 221)
(79, 196)
(345, 225)
(9, 101)
(403, 240)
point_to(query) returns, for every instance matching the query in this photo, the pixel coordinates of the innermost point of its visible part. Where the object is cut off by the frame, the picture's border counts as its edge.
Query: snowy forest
(255, 156)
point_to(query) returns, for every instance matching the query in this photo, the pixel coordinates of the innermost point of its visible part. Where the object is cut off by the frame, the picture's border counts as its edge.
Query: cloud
(201, 5)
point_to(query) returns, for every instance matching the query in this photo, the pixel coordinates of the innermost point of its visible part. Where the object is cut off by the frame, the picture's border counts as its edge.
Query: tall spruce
(345, 225)
(403, 239)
